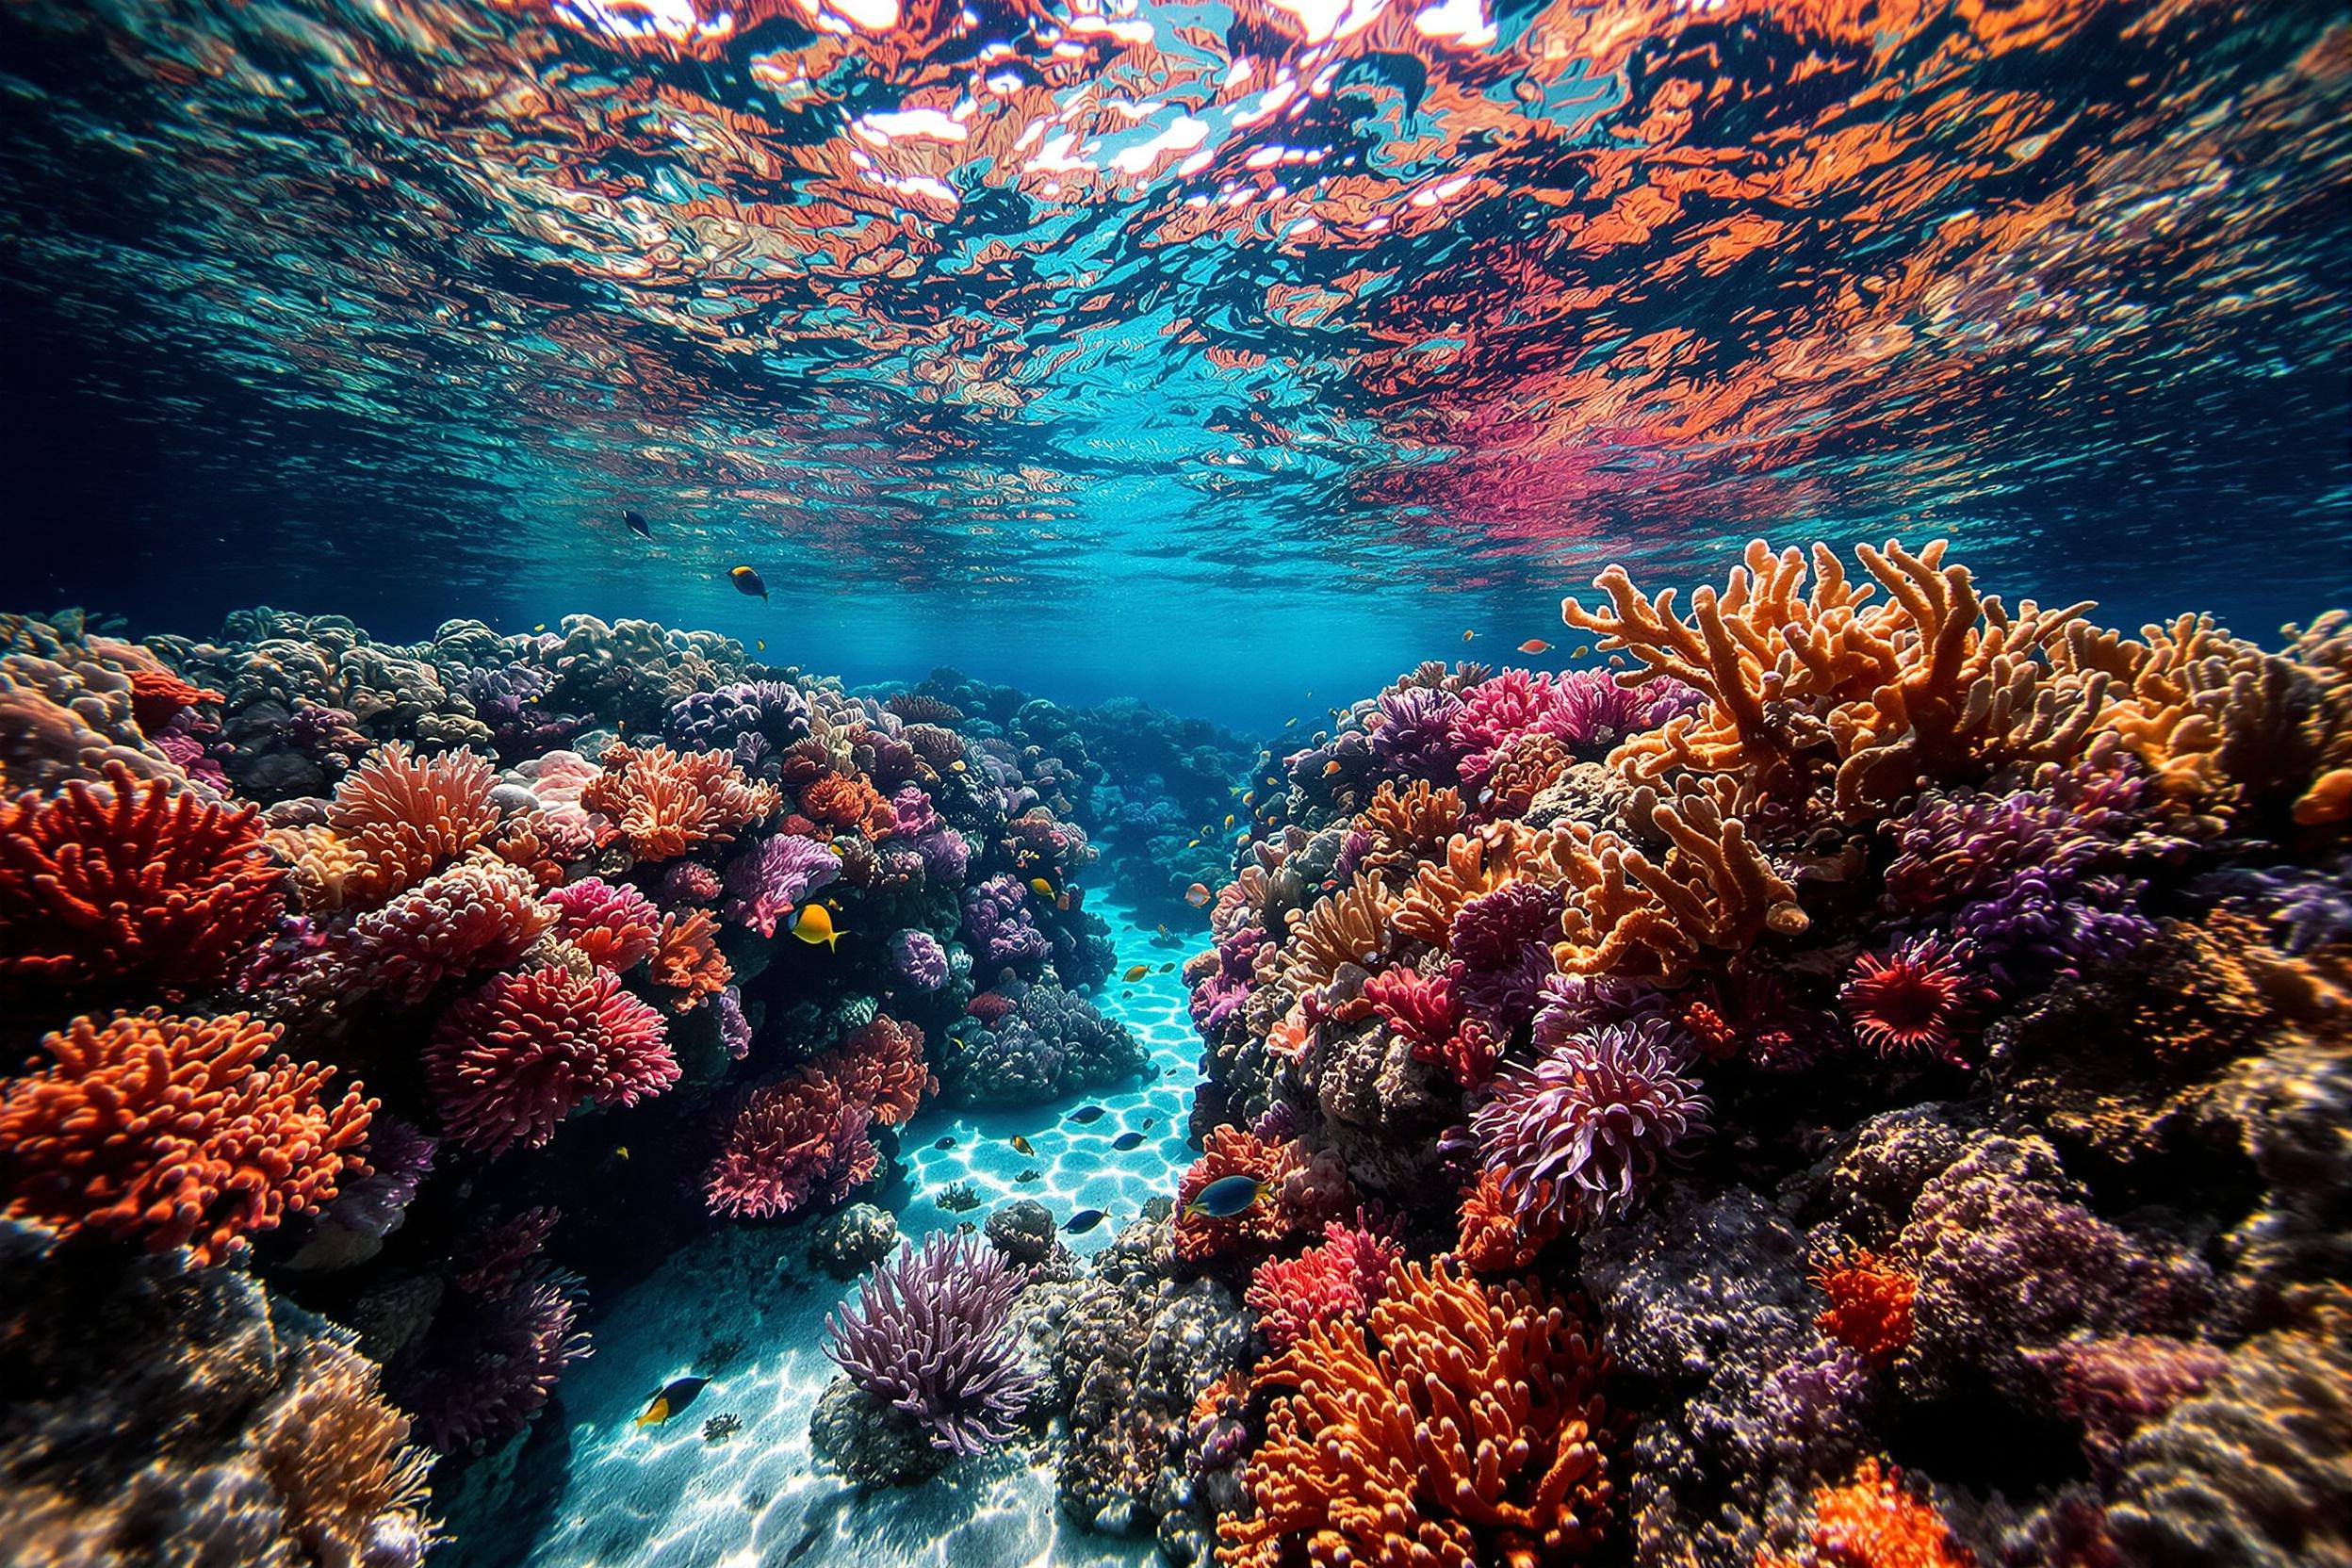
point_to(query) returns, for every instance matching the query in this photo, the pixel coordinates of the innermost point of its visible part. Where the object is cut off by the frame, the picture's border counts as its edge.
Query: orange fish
(1467, 635)
(1330, 768)
(1535, 644)
(1198, 895)
(1136, 972)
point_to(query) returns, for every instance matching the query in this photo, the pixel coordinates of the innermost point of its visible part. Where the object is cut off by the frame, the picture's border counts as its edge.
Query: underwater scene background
(1458, 785)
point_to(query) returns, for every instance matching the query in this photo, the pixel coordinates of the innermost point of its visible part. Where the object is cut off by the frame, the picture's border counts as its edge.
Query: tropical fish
(748, 581)
(956, 766)
(1582, 648)
(1135, 973)
(1467, 635)
(1085, 1114)
(1161, 928)
(1198, 895)
(1228, 1196)
(760, 643)
(1292, 720)
(541, 626)
(1150, 1123)
(620, 1151)
(1126, 1141)
(1229, 819)
(637, 524)
(1084, 1221)
(675, 1397)
(1032, 1174)
(814, 923)
(944, 1143)
(1167, 968)
(1194, 843)
(1022, 1146)
(1535, 644)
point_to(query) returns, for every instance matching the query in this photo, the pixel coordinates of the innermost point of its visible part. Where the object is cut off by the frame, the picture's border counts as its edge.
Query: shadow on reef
(1860, 1079)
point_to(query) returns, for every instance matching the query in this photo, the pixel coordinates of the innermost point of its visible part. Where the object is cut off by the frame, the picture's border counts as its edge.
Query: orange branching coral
(1407, 827)
(405, 816)
(842, 801)
(1464, 1428)
(1495, 1238)
(174, 1131)
(1351, 926)
(1869, 1303)
(882, 1063)
(1715, 890)
(338, 1456)
(1476, 863)
(123, 882)
(1231, 1152)
(1873, 1521)
(687, 959)
(1821, 687)
(543, 843)
(157, 696)
(662, 803)
(2223, 724)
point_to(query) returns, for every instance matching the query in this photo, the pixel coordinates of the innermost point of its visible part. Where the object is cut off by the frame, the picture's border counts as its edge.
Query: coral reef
(930, 1336)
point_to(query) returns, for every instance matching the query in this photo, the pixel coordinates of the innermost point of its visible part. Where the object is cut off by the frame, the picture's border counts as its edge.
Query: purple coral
(919, 958)
(483, 1367)
(1596, 712)
(766, 881)
(1575, 1137)
(996, 925)
(1502, 952)
(1413, 733)
(931, 1335)
(727, 1009)
(752, 720)
(399, 1157)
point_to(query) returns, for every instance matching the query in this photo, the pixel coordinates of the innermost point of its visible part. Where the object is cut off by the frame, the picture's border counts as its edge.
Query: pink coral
(1337, 1281)
(882, 1065)
(175, 1132)
(404, 815)
(512, 1060)
(478, 914)
(1495, 712)
(791, 1142)
(663, 803)
(615, 927)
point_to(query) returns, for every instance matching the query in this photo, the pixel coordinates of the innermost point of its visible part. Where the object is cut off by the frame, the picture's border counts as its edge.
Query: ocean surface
(625, 624)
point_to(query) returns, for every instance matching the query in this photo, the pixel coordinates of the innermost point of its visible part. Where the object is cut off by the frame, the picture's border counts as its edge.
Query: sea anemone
(615, 927)
(1575, 1137)
(512, 1060)
(1913, 1000)
(930, 1336)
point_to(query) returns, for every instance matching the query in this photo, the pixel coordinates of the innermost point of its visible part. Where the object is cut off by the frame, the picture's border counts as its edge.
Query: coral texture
(930, 1334)
(509, 1062)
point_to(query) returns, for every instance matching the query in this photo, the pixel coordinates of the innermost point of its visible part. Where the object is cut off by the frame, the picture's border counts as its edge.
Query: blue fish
(1126, 1141)
(1227, 1197)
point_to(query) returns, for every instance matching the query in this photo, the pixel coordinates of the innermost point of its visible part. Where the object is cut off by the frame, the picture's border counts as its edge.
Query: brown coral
(1408, 826)
(1476, 863)
(340, 1457)
(1465, 1428)
(662, 803)
(1351, 926)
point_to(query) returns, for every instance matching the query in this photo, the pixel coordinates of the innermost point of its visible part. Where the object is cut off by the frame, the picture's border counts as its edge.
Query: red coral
(686, 960)
(662, 803)
(1873, 1521)
(1496, 1239)
(1231, 1152)
(510, 1061)
(1427, 1013)
(1338, 1281)
(126, 883)
(1912, 1000)
(504, 1255)
(1869, 1303)
(989, 1006)
(846, 802)
(158, 696)
(174, 1131)
(791, 1142)
(882, 1065)
(478, 915)
(615, 927)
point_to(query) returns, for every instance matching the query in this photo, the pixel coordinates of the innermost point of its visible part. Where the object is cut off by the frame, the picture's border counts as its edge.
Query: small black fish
(746, 582)
(1150, 1123)
(1084, 1221)
(637, 524)
(944, 1143)
(808, 1538)
(1126, 1141)
(1032, 1174)
(1085, 1114)
(1168, 968)
(675, 1397)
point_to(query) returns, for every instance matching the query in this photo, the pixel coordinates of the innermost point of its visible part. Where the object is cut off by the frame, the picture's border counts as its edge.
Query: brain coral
(126, 882)
(174, 1131)
(510, 1061)
(1464, 1428)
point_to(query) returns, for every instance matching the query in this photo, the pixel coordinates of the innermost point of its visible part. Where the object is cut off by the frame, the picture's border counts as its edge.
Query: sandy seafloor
(744, 1308)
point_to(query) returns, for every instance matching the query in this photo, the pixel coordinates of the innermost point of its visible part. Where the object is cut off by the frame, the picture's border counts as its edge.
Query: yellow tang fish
(1194, 843)
(813, 924)
(1135, 973)
(761, 645)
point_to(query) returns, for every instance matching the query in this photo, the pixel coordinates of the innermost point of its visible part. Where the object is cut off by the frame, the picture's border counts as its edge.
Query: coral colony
(1860, 1080)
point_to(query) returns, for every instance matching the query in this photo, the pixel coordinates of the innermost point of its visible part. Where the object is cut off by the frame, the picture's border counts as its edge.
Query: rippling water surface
(1044, 335)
